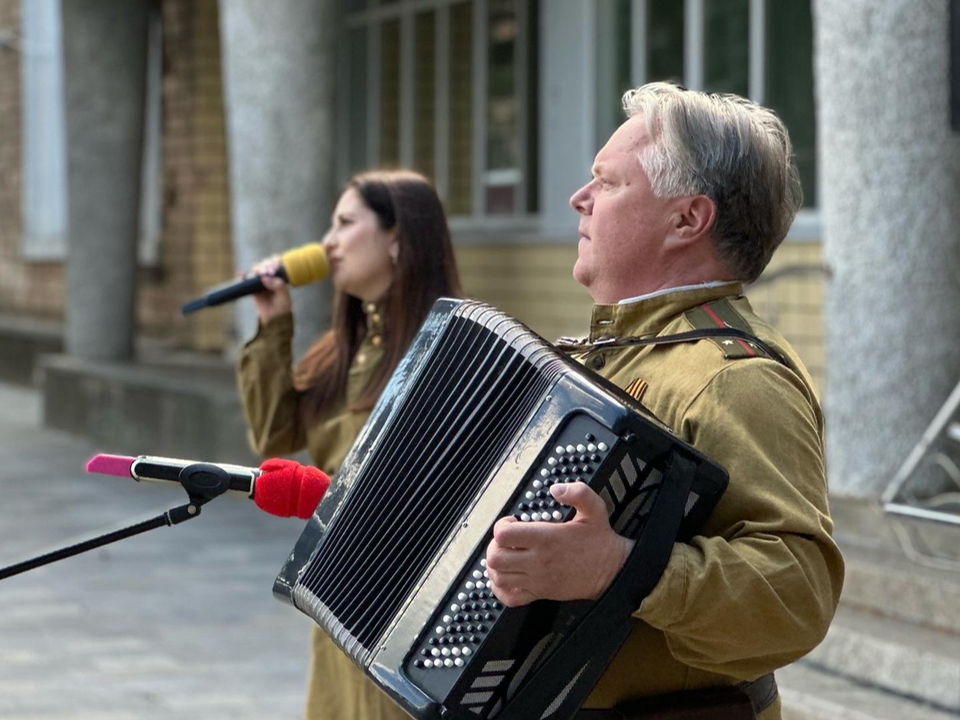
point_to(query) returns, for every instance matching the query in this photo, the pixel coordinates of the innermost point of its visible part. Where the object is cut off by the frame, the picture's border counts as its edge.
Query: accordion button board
(463, 631)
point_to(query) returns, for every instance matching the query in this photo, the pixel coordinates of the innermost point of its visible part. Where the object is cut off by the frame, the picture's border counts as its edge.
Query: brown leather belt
(734, 702)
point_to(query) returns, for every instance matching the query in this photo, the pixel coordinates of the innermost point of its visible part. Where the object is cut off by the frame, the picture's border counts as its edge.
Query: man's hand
(575, 560)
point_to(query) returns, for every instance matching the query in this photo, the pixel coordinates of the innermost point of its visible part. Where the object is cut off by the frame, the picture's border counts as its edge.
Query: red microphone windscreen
(287, 488)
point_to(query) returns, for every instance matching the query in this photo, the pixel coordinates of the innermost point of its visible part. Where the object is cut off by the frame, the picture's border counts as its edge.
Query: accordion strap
(606, 626)
(574, 346)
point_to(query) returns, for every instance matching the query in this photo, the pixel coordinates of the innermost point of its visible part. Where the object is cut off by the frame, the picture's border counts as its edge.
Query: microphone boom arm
(202, 481)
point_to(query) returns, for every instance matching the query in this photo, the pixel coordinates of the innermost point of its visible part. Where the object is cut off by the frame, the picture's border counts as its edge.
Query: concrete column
(104, 57)
(890, 198)
(278, 67)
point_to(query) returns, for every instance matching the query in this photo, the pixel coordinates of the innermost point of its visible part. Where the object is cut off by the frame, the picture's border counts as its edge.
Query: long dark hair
(424, 271)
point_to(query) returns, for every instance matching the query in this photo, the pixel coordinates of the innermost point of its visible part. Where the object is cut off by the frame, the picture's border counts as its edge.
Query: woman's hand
(275, 299)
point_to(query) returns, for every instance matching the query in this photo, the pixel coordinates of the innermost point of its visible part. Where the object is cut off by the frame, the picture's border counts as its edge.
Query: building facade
(503, 103)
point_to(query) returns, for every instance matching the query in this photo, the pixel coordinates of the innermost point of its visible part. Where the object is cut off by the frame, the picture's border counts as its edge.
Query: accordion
(480, 418)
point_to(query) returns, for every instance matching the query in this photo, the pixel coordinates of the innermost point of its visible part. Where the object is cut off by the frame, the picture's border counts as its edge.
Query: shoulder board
(721, 314)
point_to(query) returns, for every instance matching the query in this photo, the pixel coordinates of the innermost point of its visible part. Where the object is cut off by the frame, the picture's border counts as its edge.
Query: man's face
(623, 226)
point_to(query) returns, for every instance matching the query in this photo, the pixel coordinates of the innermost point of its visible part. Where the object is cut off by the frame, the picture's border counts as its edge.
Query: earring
(394, 253)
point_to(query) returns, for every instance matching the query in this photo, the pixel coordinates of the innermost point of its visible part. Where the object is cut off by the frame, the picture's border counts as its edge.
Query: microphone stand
(202, 481)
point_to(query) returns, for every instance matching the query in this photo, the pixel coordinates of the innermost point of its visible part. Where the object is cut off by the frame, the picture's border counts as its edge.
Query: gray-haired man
(689, 199)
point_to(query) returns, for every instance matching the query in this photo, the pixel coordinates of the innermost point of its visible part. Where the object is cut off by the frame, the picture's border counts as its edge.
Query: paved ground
(180, 623)
(176, 623)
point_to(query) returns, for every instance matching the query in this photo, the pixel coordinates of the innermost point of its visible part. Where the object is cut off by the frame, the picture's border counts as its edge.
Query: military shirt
(272, 402)
(758, 587)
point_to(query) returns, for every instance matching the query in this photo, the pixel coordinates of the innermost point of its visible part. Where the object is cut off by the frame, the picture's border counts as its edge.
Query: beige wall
(534, 284)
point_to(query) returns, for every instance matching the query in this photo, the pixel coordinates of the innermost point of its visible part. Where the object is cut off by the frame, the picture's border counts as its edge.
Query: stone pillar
(890, 199)
(104, 57)
(278, 67)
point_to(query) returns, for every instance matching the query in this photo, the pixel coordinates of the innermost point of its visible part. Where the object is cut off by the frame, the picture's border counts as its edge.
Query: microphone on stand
(300, 266)
(279, 487)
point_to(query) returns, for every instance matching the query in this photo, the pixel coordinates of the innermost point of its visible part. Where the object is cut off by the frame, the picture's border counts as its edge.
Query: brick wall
(534, 284)
(196, 252)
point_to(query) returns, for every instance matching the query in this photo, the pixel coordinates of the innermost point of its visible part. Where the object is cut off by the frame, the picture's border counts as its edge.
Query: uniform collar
(649, 314)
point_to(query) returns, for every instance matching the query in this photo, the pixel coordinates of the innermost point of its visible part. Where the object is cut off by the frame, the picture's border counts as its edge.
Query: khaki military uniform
(758, 587)
(337, 689)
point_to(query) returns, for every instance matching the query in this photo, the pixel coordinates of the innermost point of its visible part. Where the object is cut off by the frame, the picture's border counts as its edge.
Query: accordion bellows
(480, 418)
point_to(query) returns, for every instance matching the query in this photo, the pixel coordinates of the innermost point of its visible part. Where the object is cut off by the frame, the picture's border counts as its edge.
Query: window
(447, 87)
(44, 194)
(761, 49)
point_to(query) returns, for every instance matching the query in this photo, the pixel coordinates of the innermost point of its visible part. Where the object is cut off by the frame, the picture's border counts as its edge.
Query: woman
(390, 258)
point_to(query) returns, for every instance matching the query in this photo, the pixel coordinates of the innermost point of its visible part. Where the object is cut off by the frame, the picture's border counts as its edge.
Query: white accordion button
(447, 619)
(483, 563)
(428, 663)
(435, 652)
(529, 495)
(454, 608)
(455, 651)
(591, 448)
(581, 448)
(537, 484)
(445, 652)
(560, 450)
(459, 662)
(440, 630)
(448, 663)
(602, 447)
(571, 449)
(552, 461)
(481, 586)
(477, 574)
(543, 473)
(461, 597)
(466, 651)
(557, 515)
(524, 517)
(469, 585)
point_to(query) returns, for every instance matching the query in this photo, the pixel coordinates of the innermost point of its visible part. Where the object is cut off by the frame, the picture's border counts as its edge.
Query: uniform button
(376, 340)
(361, 358)
(371, 307)
(597, 362)
(375, 317)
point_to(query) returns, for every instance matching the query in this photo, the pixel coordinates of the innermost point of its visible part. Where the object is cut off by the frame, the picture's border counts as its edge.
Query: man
(689, 199)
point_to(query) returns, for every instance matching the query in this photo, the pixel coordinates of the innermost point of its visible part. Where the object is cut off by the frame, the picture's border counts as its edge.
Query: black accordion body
(481, 417)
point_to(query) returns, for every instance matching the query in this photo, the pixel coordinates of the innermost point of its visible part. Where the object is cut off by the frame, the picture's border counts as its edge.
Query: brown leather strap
(746, 700)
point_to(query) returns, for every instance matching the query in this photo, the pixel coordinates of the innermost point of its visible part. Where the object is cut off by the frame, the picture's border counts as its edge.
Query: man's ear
(694, 218)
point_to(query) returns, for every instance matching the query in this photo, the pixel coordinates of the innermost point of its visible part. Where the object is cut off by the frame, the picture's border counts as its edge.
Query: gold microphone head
(305, 264)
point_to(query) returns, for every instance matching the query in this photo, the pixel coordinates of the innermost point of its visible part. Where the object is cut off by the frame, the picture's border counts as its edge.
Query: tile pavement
(175, 623)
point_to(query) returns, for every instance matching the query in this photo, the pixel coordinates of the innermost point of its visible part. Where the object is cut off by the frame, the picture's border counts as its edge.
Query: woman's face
(360, 251)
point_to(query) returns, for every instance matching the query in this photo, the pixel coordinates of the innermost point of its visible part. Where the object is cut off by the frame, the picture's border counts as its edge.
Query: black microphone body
(297, 267)
(229, 291)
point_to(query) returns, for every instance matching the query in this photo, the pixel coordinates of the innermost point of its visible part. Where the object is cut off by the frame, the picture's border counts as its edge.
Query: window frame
(371, 19)
(808, 224)
(44, 144)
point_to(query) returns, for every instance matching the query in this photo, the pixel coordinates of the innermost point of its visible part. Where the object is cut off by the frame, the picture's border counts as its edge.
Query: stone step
(864, 523)
(811, 694)
(22, 343)
(885, 582)
(190, 410)
(896, 656)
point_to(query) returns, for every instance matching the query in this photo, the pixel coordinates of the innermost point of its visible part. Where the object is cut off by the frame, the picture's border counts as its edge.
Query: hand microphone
(300, 266)
(279, 487)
